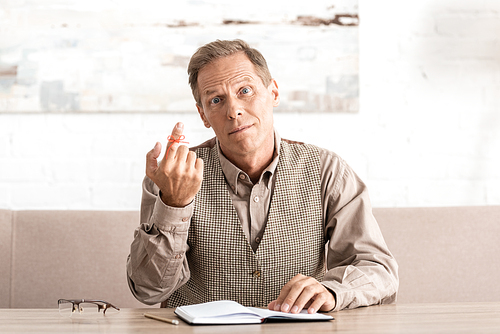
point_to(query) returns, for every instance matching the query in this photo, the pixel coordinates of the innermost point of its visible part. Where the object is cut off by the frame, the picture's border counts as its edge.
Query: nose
(234, 108)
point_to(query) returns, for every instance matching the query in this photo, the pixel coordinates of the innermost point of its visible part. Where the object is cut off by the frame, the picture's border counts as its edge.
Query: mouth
(239, 129)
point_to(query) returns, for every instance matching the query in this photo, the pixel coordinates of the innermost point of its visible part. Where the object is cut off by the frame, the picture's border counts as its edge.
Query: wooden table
(410, 318)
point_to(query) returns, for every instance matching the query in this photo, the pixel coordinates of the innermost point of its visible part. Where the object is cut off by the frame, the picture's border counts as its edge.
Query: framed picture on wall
(129, 56)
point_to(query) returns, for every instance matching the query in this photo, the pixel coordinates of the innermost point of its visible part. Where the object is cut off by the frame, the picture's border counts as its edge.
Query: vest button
(256, 199)
(256, 274)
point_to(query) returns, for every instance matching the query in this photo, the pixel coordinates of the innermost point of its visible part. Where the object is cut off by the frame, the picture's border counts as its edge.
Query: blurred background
(407, 92)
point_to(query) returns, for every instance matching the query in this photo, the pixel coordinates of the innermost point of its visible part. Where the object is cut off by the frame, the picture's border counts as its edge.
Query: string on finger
(172, 140)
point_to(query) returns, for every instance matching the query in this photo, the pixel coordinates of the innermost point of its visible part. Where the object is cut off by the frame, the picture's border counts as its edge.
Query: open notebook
(226, 312)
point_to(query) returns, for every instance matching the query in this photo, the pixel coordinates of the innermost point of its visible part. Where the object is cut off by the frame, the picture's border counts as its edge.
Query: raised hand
(179, 174)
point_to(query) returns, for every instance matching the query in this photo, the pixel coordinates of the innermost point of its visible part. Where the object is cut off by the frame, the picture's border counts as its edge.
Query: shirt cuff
(164, 216)
(334, 289)
(355, 290)
(333, 294)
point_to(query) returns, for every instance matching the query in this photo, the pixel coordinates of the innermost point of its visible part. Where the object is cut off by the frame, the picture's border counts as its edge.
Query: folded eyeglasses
(68, 307)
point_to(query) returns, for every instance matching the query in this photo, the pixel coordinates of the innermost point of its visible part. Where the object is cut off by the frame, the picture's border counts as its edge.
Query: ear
(203, 117)
(273, 87)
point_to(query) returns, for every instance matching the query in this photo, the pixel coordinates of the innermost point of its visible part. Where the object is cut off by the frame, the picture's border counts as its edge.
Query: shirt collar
(232, 173)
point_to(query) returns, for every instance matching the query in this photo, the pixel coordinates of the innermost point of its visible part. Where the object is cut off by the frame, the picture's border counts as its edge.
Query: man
(246, 216)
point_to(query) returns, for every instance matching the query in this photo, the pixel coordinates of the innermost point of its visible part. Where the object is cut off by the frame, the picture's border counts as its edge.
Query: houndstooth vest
(221, 260)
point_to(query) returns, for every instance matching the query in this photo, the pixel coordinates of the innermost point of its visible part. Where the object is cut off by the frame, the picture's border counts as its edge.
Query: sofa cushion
(71, 254)
(444, 254)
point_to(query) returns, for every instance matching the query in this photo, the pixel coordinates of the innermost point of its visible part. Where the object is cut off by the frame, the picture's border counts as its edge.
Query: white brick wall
(428, 130)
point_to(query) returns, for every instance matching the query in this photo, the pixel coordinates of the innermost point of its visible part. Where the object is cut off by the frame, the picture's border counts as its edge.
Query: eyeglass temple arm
(105, 306)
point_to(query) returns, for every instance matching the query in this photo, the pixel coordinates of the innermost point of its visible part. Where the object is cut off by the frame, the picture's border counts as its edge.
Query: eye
(245, 90)
(215, 100)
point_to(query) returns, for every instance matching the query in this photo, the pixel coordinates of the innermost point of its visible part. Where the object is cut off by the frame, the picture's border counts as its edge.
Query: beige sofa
(445, 254)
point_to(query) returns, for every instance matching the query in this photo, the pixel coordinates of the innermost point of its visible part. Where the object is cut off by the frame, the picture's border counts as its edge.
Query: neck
(254, 167)
(254, 163)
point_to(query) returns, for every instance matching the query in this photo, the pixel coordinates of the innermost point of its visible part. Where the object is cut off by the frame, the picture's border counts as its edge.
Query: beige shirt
(360, 269)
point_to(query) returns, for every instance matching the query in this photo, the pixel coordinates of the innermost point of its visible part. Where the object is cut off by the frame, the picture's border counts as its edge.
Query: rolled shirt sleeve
(157, 264)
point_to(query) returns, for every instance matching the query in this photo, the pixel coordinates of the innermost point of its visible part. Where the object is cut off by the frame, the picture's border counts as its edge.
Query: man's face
(237, 105)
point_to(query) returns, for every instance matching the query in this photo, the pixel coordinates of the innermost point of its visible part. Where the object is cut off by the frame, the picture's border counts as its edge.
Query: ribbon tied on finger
(172, 140)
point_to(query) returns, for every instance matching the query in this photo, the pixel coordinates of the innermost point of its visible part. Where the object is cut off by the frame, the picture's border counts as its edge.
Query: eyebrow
(210, 92)
(245, 78)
